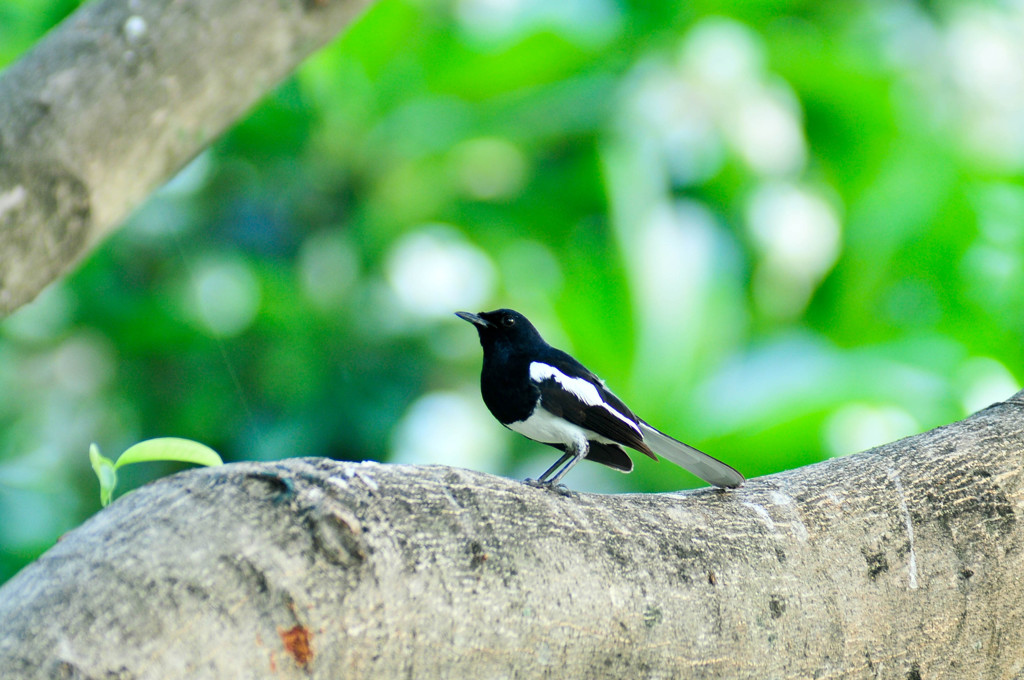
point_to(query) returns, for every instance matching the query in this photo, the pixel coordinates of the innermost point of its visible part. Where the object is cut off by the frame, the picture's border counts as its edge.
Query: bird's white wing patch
(584, 390)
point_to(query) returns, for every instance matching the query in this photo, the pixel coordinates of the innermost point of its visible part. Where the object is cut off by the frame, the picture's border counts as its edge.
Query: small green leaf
(169, 448)
(106, 473)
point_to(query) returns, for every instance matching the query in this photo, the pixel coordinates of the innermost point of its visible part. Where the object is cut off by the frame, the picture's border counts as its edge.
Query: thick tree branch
(120, 96)
(900, 562)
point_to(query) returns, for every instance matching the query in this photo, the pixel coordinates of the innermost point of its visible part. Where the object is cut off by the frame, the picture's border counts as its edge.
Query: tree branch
(117, 99)
(900, 562)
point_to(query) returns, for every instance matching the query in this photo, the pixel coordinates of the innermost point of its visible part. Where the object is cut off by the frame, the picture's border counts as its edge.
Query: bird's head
(503, 327)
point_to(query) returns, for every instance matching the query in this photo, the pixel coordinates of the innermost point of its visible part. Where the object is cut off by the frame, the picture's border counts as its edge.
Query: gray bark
(116, 99)
(899, 562)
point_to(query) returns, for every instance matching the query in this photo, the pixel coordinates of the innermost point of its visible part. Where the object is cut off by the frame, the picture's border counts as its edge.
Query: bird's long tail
(685, 456)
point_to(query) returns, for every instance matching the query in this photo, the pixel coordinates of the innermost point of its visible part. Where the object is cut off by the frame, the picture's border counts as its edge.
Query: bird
(548, 396)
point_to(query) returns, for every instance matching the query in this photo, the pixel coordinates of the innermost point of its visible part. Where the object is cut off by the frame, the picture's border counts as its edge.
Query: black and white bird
(546, 395)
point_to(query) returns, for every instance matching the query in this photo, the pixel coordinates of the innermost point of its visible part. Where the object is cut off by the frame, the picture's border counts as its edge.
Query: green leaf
(106, 473)
(170, 448)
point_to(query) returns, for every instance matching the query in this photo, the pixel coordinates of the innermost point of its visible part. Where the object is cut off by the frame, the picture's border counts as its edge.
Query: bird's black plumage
(546, 395)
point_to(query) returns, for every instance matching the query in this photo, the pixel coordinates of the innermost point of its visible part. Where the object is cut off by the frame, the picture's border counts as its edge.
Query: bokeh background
(781, 231)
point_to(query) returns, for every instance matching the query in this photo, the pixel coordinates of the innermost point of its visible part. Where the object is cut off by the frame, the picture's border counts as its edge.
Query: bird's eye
(508, 321)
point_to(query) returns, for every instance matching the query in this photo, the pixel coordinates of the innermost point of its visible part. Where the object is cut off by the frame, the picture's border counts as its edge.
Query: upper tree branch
(900, 562)
(120, 96)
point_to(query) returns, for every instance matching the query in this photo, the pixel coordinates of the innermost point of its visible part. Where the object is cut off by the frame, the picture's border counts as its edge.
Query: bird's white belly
(542, 426)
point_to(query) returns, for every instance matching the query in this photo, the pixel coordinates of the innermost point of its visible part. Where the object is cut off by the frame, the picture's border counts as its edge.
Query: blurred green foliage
(781, 231)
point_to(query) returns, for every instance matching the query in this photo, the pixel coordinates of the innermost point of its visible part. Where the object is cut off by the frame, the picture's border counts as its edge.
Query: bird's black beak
(474, 319)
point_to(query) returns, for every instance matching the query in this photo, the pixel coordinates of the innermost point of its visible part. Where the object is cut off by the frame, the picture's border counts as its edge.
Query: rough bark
(118, 98)
(900, 562)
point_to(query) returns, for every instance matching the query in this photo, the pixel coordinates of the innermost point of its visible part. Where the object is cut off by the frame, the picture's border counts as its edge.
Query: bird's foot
(560, 489)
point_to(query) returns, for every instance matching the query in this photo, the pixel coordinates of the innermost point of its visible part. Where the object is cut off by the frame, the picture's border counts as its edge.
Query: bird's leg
(576, 452)
(542, 480)
(577, 457)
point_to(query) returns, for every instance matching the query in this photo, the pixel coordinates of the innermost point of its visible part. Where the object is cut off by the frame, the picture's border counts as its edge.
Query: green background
(781, 231)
